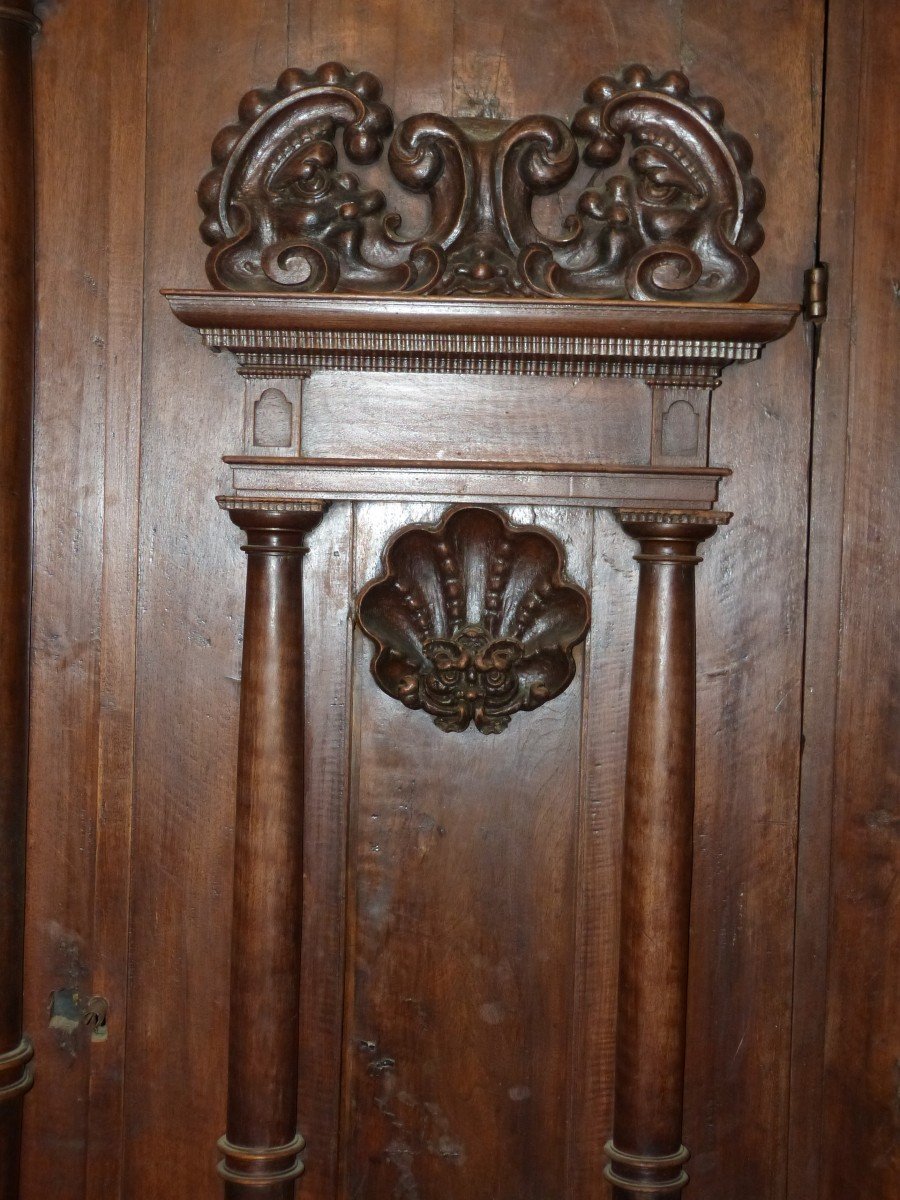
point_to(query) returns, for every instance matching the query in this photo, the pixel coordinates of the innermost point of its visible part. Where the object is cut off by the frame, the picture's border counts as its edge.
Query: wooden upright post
(646, 1153)
(261, 1146)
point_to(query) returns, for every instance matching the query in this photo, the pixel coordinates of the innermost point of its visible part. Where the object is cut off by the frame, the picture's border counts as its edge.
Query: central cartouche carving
(473, 620)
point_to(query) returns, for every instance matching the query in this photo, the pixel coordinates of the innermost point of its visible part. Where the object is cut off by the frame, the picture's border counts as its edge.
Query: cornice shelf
(661, 341)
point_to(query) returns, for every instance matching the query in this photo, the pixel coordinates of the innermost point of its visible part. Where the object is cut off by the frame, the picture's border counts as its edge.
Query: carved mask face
(472, 679)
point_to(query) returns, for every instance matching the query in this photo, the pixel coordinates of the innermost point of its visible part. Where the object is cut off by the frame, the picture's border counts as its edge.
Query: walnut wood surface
(278, 334)
(473, 620)
(121, 386)
(679, 216)
(262, 1146)
(581, 483)
(16, 415)
(853, 1119)
(646, 1151)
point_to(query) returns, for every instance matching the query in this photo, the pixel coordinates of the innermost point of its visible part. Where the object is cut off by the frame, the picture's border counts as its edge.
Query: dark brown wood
(459, 962)
(828, 467)
(473, 620)
(682, 221)
(848, 1138)
(546, 801)
(646, 1153)
(682, 344)
(261, 1146)
(181, 902)
(17, 25)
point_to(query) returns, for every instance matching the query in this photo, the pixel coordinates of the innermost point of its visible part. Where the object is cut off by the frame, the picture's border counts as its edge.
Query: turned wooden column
(17, 25)
(261, 1146)
(646, 1152)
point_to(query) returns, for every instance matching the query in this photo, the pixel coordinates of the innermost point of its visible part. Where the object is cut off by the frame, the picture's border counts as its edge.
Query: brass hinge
(815, 293)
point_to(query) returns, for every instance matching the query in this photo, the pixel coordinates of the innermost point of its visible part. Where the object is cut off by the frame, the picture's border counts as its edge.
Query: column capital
(274, 525)
(670, 535)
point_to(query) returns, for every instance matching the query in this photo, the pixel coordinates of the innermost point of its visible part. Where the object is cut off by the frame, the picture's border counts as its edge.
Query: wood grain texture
(126, 66)
(17, 316)
(88, 390)
(460, 966)
(647, 1152)
(261, 1146)
(607, 670)
(185, 748)
(860, 1142)
(750, 602)
(381, 416)
(828, 450)
(563, 815)
(328, 642)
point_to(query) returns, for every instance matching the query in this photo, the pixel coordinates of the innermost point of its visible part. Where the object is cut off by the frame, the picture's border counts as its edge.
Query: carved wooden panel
(473, 620)
(513, 971)
(672, 216)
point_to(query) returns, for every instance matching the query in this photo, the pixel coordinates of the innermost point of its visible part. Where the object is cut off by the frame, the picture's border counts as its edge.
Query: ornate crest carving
(473, 619)
(669, 210)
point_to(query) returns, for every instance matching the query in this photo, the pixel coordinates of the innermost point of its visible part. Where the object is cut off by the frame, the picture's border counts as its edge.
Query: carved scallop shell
(473, 619)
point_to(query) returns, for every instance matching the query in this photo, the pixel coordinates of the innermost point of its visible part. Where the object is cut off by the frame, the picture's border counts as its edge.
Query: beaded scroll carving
(473, 620)
(668, 210)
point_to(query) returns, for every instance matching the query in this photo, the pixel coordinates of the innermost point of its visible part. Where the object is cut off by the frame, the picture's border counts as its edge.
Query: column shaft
(261, 1145)
(646, 1152)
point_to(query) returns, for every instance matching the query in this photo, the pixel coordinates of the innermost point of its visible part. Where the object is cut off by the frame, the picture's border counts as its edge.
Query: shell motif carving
(473, 620)
(667, 210)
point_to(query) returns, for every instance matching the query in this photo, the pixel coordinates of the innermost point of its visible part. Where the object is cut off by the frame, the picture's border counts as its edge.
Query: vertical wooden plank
(513, 60)
(127, 57)
(837, 215)
(201, 61)
(461, 966)
(764, 63)
(328, 636)
(861, 1118)
(71, 401)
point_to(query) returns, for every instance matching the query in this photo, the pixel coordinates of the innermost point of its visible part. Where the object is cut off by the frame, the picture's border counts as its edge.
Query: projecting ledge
(664, 342)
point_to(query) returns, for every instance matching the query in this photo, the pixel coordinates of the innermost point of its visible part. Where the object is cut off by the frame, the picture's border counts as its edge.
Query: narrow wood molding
(652, 1165)
(271, 1164)
(666, 343)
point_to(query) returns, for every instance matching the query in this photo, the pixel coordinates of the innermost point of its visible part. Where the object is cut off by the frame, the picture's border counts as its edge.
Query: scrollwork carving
(674, 218)
(473, 620)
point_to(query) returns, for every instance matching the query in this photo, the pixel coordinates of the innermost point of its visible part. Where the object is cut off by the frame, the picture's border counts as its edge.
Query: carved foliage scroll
(473, 620)
(668, 211)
